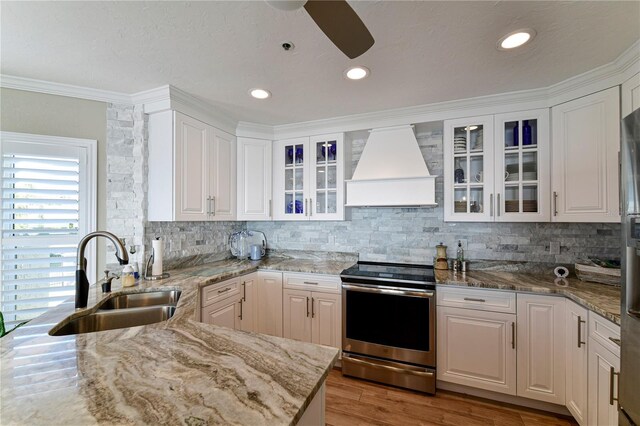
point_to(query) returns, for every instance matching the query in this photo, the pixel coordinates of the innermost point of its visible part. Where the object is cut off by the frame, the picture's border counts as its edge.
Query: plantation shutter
(45, 213)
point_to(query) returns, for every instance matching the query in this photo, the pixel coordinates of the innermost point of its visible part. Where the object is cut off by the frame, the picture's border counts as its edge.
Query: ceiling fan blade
(342, 25)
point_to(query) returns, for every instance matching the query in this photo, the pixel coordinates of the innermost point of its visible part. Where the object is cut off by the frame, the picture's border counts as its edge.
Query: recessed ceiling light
(356, 73)
(260, 93)
(516, 39)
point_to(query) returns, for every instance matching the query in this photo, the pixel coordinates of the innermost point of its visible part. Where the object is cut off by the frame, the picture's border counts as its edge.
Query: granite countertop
(600, 298)
(179, 371)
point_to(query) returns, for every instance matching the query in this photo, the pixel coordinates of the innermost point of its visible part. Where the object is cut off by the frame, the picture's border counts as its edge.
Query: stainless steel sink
(114, 319)
(136, 300)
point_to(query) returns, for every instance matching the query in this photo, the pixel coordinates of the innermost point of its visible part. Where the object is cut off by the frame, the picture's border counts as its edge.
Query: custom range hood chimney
(391, 172)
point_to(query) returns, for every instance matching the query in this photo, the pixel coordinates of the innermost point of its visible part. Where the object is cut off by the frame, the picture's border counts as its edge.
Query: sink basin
(114, 319)
(136, 300)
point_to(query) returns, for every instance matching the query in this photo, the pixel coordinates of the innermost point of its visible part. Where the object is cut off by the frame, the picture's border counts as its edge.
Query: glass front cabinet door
(309, 178)
(497, 168)
(468, 169)
(522, 166)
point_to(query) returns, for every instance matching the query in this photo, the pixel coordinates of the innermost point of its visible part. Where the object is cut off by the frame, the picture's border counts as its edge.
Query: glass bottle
(460, 252)
(516, 135)
(526, 133)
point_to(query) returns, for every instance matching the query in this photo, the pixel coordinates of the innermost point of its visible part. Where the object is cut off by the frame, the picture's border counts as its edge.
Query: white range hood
(391, 172)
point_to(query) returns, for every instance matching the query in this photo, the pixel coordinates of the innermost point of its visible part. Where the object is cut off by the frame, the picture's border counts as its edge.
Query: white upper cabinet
(192, 162)
(522, 172)
(254, 179)
(630, 95)
(586, 145)
(468, 169)
(308, 178)
(192, 174)
(496, 168)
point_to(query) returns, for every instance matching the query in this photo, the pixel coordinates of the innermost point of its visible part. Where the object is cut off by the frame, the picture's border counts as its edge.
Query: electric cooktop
(379, 272)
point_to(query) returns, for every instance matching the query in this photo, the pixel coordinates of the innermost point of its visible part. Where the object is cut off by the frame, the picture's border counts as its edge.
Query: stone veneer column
(127, 185)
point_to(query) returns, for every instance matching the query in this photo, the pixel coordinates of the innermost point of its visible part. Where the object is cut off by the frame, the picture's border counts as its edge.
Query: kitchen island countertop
(179, 371)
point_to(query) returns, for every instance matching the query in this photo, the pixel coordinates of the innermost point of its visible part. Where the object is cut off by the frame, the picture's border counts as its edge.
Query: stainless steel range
(388, 324)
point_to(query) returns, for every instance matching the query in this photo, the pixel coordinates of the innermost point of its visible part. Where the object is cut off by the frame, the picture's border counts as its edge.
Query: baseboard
(508, 399)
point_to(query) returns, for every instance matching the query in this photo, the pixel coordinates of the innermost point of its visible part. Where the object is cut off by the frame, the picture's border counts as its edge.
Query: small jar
(128, 280)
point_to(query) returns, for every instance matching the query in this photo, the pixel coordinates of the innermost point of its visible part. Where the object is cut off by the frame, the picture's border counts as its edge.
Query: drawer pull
(580, 321)
(310, 283)
(224, 290)
(473, 299)
(616, 341)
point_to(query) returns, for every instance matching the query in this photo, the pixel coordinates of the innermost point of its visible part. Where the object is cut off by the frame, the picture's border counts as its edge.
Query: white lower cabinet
(541, 348)
(476, 348)
(604, 367)
(297, 315)
(576, 361)
(248, 302)
(325, 319)
(311, 316)
(225, 313)
(269, 307)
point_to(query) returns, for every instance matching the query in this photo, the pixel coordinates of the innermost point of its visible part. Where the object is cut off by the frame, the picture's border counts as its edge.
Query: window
(48, 205)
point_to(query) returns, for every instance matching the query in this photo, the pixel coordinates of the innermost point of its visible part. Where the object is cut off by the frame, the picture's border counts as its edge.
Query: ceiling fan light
(516, 39)
(260, 93)
(286, 5)
(357, 73)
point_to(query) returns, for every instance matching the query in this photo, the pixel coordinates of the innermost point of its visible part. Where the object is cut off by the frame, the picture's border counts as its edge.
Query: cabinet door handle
(513, 335)
(580, 322)
(244, 291)
(555, 203)
(612, 376)
(313, 310)
(306, 208)
(491, 205)
(240, 316)
(498, 205)
(310, 207)
(224, 290)
(213, 209)
(270, 209)
(307, 307)
(473, 299)
(208, 206)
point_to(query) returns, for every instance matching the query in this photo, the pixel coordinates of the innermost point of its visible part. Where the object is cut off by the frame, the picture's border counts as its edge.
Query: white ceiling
(425, 52)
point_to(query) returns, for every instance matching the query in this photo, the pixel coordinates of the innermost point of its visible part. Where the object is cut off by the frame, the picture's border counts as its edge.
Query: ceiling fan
(337, 20)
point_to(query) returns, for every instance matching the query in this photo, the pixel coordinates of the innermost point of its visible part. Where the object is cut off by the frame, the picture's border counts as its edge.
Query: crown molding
(254, 130)
(168, 97)
(61, 89)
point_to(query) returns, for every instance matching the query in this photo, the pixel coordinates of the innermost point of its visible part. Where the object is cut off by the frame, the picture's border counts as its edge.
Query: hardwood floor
(355, 402)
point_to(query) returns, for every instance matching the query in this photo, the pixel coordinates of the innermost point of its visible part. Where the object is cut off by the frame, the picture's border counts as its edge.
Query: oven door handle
(387, 291)
(388, 367)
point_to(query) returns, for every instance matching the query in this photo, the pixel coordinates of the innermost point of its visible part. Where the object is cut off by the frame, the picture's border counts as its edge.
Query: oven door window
(389, 320)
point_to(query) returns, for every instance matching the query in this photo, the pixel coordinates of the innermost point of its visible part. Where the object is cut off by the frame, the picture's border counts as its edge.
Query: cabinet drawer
(482, 300)
(603, 330)
(219, 291)
(313, 282)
